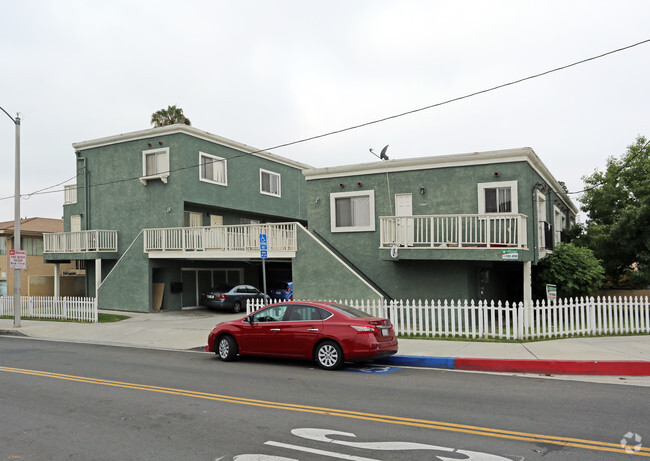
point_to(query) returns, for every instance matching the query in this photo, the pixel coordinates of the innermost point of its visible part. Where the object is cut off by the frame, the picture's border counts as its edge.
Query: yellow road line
(436, 425)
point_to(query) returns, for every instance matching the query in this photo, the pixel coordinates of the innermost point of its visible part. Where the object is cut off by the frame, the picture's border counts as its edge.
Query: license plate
(384, 332)
(210, 296)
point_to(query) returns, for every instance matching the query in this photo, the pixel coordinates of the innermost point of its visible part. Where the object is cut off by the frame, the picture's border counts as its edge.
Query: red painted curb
(557, 367)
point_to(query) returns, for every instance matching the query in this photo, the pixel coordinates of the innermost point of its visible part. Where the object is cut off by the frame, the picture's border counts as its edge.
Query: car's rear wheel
(236, 308)
(328, 355)
(227, 348)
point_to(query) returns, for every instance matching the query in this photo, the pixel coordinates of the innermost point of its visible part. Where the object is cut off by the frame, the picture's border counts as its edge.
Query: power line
(380, 120)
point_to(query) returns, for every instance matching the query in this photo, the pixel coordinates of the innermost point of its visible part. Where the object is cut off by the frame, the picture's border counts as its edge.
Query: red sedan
(329, 333)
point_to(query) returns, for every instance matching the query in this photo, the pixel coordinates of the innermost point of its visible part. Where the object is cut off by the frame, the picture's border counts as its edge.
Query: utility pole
(16, 218)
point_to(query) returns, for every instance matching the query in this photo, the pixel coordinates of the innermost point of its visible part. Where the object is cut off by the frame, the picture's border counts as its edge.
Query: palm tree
(169, 116)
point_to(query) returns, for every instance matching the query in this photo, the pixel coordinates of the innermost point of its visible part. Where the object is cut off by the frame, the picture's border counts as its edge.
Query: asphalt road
(84, 402)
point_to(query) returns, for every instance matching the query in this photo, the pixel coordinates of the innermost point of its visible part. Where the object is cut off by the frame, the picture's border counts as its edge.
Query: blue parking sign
(263, 254)
(262, 238)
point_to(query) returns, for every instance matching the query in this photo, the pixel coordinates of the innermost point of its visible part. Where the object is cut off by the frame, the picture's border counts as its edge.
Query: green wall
(430, 274)
(111, 197)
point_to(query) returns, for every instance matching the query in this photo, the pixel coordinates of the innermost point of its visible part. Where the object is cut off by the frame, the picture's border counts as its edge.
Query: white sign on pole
(551, 292)
(18, 259)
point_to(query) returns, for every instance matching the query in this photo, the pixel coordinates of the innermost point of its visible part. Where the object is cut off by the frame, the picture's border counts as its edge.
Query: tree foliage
(170, 116)
(617, 203)
(575, 270)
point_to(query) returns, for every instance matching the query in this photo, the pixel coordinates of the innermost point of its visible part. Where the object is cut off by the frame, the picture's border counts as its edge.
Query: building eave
(523, 154)
(190, 131)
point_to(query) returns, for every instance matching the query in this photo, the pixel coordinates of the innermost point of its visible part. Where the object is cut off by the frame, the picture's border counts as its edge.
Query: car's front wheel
(329, 355)
(227, 348)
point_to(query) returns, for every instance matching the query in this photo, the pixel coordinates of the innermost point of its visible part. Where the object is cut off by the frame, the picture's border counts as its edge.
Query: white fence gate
(47, 307)
(463, 319)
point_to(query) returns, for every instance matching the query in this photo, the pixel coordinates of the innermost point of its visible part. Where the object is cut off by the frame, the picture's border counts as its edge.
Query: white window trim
(371, 210)
(558, 227)
(514, 202)
(217, 159)
(162, 176)
(69, 194)
(273, 173)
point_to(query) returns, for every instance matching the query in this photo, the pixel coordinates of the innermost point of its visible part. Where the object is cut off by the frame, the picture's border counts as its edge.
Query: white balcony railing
(80, 242)
(281, 237)
(454, 231)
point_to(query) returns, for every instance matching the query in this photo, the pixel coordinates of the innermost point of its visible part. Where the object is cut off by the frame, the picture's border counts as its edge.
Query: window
(300, 313)
(559, 223)
(155, 165)
(212, 169)
(3, 245)
(69, 194)
(497, 197)
(193, 219)
(269, 183)
(33, 246)
(249, 221)
(273, 313)
(352, 211)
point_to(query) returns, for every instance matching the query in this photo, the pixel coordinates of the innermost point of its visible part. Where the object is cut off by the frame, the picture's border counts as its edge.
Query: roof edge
(526, 154)
(191, 131)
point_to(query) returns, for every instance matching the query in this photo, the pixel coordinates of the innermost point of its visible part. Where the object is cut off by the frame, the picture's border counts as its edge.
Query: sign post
(263, 255)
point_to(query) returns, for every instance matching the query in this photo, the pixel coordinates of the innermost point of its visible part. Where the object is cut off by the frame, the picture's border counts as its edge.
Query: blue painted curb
(415, 361)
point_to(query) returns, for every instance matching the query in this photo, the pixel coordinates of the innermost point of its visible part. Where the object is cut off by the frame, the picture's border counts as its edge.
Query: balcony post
(57, 280)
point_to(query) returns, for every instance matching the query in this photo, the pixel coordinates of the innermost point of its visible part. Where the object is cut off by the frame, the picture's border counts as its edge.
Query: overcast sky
(270, 72)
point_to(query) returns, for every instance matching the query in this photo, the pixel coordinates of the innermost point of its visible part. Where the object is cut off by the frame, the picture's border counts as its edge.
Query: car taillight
(365, 328)
(221, 296)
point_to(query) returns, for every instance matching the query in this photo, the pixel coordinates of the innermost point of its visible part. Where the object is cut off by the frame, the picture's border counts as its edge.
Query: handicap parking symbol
(372, 369)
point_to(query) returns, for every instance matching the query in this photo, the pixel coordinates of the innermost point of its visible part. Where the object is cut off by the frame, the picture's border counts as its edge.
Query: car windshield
(350, 311)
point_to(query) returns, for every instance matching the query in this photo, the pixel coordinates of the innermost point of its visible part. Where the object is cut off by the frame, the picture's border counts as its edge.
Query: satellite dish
(383, 155)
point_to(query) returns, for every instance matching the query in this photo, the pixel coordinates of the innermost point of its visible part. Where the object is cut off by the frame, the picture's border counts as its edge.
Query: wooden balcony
(90, 241)
(464, 231)
(222, 242)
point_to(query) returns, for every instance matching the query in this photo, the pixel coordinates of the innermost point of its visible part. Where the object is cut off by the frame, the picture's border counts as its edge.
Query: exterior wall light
(422, 190)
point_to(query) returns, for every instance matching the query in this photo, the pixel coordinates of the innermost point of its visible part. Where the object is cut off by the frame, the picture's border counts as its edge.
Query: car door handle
(274, 329)
(313, 329)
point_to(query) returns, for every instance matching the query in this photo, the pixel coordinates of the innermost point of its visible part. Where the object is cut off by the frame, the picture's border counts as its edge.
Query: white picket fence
(463, 319)
(48, 307)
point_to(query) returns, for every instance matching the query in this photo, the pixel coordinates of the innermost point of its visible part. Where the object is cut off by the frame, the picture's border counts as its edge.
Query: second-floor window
(193, 219)
(155, 164)
(33, 246)
(212, 169)
(269, 183)
(352, 211)
(69, 194)
(497, 197)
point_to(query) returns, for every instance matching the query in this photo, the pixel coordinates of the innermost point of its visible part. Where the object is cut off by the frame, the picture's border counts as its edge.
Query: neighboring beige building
(38, 279)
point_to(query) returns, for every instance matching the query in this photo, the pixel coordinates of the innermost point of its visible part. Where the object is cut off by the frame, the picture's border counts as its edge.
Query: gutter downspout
(86, 193)
(86, 207)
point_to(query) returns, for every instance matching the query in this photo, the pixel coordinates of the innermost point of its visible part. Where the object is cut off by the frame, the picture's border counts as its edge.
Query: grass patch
(101, 318)
(110, 318)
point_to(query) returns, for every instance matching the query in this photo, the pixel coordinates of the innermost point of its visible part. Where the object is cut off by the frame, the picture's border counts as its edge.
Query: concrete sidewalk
(188, 330)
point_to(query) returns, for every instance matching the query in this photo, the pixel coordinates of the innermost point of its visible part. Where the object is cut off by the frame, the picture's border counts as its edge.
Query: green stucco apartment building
(162, 214)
